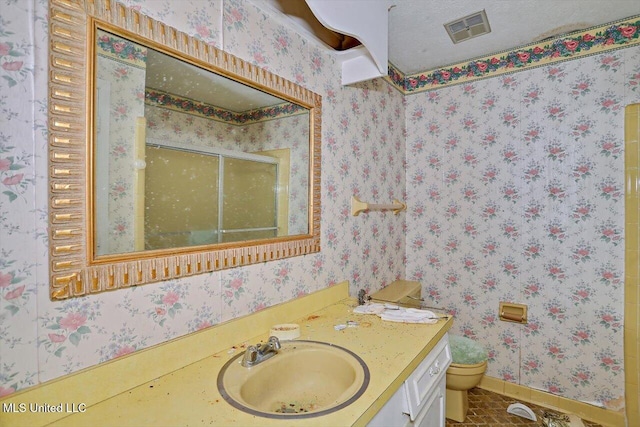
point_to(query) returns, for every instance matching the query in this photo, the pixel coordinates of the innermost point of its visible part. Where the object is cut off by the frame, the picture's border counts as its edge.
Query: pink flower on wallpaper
(610, 148)
(609, 233)
(609, 189)
(609, 320)
(434, 262)
(433, 129)
(489, 175)
(470, 228)
(469, 299)
(203, 325)
(608, 276)
(555, 311)
(13, 180)
(433, 194)
(489, 283)
(234, 16)
(452, 211)
(124, 350)
(581, 296)
(532, 250)
(451, 143)
(532, 95)
(509, 267)
(510, 193)
(451, 109)
(510, 230)
(470, 194)
(488, 320)
(582, 212)
(5, 49)
(469, 264)
(555, 351)
(489, 247)
(581, 253)
(555, 73)
(556, 111)
(451, 177)
(203, 31)
(434, 161)
(236, 283)
(488, 104)
(5, 165)
(532, 289)
(555, 271)
(532, 328)
(5, 279)
(509, 118)
(57, 338)
(556, 232)
(488, 139)
(470, 158)
(434, 228)
(555, 191)
(509, 155)
(489, 211)
(160, 311)
(469, 123)
(608, 363)
(12, 65)
(533, 134)
(170, 298)
(451, 280)
(6, 391)
(582, 170)
(581, 335)
(531, 365)
(16, 293)
(73, 321)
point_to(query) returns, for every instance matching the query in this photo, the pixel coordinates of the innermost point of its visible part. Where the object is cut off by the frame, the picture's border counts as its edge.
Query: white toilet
(469, 357)
(466, 371)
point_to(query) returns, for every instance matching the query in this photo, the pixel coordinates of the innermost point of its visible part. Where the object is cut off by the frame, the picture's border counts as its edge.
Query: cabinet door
(391, 414)
(433, 413)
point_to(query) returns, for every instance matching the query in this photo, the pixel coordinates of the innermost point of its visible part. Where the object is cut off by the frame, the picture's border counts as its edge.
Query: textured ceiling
(419, 42)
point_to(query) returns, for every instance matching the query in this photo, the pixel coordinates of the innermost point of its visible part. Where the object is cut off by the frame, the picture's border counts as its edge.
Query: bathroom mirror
(169, 157)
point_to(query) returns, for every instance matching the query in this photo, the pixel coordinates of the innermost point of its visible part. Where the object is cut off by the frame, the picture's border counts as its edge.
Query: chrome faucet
(260, 352)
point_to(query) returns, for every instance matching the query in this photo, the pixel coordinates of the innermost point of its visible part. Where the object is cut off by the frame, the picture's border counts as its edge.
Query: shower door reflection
(194, 198)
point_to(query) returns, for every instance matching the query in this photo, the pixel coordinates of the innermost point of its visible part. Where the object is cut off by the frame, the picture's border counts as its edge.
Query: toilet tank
(405, 293)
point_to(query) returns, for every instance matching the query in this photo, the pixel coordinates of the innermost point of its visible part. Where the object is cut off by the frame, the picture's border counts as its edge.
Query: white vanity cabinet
(420, 401)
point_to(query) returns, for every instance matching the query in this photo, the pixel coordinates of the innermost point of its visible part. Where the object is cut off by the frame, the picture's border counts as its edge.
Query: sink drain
(295, 408)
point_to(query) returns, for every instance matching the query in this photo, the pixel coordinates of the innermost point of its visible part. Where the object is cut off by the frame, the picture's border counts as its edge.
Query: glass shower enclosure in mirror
(214, 161)
(169, 157)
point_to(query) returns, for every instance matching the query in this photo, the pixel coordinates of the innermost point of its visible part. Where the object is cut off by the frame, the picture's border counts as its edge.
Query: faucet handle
(274, 342)
(250, 356)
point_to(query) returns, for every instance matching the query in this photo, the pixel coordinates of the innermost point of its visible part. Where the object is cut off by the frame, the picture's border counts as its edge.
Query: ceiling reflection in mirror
(186, 157)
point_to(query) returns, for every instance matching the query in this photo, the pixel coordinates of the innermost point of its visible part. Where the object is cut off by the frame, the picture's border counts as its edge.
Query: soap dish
(285, 331)
(522, 411)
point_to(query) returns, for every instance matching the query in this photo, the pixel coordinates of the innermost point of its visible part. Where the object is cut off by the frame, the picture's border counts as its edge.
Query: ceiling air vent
(470, 26)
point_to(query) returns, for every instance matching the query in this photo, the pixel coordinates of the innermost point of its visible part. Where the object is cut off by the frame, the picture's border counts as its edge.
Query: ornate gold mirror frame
(73, 270)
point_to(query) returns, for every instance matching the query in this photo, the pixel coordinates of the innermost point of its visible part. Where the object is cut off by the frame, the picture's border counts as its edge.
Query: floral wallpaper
(515, 190)
(121, 69)
(514, 187)
(362, 154)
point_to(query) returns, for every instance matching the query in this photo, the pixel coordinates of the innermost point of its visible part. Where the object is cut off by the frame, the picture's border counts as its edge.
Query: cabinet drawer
(423, 381)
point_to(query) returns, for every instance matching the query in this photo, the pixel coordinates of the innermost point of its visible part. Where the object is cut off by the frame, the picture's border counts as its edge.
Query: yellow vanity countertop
(189, 396)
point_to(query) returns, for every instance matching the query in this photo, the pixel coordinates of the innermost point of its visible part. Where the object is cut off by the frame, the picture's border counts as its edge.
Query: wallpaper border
(592, 41)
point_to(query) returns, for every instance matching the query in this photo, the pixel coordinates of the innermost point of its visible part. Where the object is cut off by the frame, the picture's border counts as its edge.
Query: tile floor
(488, 409)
